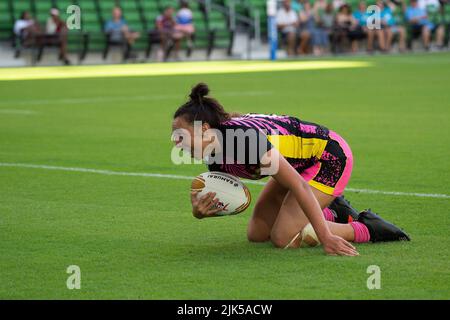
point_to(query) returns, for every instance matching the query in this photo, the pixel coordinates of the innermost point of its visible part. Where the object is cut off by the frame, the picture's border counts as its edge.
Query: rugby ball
(234, 197)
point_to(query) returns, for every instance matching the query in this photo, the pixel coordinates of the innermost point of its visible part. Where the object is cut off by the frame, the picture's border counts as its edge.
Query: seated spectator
(421, 26)
(390, 27)
(307, 26)
(321, 5)
(347, 28)
(326, 21)
(118, 30)
(296, 5)
(287, 23)
(435, 15)
(327, 17)
(56, 34)
(337, 4)
(362, 30)
(166, 27)
(26, 28)
(433, 5)
(319, 37)
(184, 21)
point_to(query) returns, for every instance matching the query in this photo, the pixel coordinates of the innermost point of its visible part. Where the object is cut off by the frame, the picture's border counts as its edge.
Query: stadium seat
(6, 20)
(217, 23)
(91, 24)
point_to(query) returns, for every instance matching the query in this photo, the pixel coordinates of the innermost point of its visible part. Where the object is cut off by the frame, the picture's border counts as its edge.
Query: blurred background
(54, 32)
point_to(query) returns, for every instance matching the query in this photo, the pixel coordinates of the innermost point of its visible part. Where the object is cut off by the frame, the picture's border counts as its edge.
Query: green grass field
(134, 237)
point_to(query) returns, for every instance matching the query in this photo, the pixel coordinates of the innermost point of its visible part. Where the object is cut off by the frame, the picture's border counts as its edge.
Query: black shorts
(356, 34)
(416, 30)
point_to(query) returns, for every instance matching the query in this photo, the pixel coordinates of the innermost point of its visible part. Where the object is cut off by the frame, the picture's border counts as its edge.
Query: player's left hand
(335, 245)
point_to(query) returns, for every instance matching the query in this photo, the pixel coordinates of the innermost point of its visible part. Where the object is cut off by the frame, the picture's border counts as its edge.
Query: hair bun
(199, 91)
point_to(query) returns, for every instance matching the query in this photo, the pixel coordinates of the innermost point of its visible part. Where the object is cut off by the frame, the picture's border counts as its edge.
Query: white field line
(18, 111)
(180, 177)
(124, 98)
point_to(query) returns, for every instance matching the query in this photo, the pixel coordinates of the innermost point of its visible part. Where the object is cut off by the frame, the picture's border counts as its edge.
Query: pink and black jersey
(320, 155)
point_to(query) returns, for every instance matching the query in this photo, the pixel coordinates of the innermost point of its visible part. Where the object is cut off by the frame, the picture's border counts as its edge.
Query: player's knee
(257, 237)
(279, 242)
(278, 239)
(281, 239)
(256, 232)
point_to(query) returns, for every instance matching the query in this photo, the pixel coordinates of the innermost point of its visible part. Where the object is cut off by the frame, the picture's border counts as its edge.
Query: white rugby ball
(234, 197)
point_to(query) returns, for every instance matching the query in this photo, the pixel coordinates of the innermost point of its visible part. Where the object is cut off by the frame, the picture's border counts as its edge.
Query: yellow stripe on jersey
(319, 186)
(292, 146)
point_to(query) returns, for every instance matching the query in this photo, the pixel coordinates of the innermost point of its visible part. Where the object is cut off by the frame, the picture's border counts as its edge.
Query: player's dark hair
(202, 108)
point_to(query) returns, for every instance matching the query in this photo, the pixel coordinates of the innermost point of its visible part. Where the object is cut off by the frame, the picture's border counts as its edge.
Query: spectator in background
(56, 33)
(287, 23)
(324, 19)
(296, 5)
(327, 17)
(337, 4)
(347, 28)
(308, 22)
(421, 26)
(185, 22)
(389, 26)
(362, 30)
(165, 24)
(320, 5)
(26, 28)
(436, 16)
(429, 4)
(118, 29)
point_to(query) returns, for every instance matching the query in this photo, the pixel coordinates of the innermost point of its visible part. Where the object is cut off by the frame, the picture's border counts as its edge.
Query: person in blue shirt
(390, 26)
(296, 6)
(118, 30)
(362, 16)
(417, 17)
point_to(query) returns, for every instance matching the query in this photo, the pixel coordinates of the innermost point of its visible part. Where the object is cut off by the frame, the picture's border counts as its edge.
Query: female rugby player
(314, 167)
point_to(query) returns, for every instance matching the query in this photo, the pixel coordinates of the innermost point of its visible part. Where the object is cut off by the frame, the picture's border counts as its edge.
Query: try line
(180, 177)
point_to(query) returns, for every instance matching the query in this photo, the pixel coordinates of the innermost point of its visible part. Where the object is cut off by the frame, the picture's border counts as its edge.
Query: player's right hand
(204, 206)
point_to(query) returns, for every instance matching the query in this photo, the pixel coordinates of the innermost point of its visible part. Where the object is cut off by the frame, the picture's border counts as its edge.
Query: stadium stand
(211, 23)
(216, 23)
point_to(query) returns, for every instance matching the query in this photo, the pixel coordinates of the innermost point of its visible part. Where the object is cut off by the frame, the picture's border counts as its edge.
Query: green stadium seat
(105, 9)
(150, 11)
(42, 10)
(6, 20)
(217, 23)
(91, 24)
(19, 6)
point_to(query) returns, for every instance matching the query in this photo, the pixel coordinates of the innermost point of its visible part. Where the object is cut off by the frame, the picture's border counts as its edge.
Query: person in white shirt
(287, 23)
(56, 34)
(338, 3)
(429, 4)
(25, 27)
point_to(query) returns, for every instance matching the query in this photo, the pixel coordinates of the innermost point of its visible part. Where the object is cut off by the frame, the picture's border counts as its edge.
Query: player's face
(184, 136)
